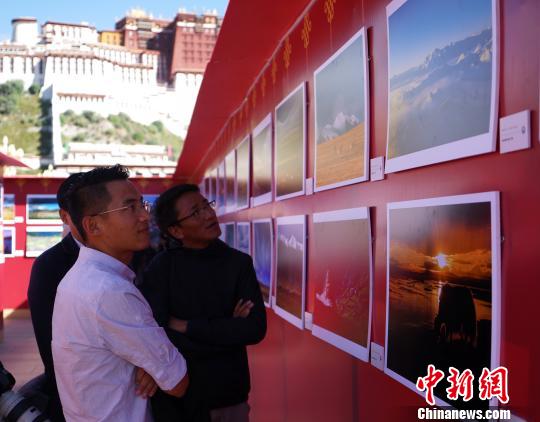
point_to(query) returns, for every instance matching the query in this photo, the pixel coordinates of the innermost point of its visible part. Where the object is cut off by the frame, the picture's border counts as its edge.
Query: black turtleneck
(203, 286)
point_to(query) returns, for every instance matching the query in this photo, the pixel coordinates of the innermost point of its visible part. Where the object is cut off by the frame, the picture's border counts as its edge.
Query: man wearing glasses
(102, 326)
(207, 297)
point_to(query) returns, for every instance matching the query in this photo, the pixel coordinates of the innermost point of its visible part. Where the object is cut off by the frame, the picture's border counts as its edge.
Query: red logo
(460, 384)
(429, 382)
(494, 384)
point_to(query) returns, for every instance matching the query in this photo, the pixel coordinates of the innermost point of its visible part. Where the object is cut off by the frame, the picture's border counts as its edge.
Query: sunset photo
(442, 286)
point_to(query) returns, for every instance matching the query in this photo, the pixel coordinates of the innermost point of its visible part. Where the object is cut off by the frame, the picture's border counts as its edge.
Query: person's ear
(64, 216)
(91, 226)
(176, 232)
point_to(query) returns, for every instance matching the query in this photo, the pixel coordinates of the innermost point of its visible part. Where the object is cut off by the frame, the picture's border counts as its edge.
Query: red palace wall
(297, 377)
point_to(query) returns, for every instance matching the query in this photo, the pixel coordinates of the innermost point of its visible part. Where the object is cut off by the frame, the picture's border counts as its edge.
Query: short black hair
(91, 196)
(164, 211)
(66, 189)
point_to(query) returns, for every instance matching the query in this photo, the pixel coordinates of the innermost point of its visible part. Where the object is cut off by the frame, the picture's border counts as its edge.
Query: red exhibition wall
(297, 377)
(16, 270)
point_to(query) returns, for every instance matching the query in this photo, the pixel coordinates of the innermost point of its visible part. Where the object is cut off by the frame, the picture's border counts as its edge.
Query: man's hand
(242, 310)
(146, 386)
(179, 325)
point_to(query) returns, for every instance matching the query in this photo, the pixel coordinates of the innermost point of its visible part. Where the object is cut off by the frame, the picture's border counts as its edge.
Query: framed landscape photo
(221, 189)
(155, 233)
(342, 275)
(41, 238)
(42, 209)
(9, 241)
(443, 76)
(443, 289)
(243, 237)
(230, 177)
(290, 148)
(262, 162)
(342, 116)
(230, 235)
(291, 269)
(8, 212)
(212, 183)
(263, 256)
(242, 174)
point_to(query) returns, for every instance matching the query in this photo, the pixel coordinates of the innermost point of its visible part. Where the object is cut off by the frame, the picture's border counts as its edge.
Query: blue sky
(428, 24)
(100, 13)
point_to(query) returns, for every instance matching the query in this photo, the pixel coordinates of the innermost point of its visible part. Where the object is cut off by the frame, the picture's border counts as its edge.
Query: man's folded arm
(230, 331)
(127, 328)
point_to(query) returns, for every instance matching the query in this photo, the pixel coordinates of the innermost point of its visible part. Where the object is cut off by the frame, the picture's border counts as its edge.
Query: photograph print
(443, 289)
(291, 269)
(229, 236)
(8, 212)
(42, 209)
(155, 233)
(230, 176)
(290, 149)
(442, 81)
(342, 277)
(242, 175)
(9, 241)
(263, 247)
(243, 237)
(221, 188)
(41, 238)
(342, 116)
(262, 162)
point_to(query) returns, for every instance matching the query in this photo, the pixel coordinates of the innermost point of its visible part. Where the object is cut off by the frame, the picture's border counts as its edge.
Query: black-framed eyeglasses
(134, 208)
(198, 212)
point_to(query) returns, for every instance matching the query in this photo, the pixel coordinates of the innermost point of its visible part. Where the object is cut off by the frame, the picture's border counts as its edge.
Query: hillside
(119, 128)
(25, 119)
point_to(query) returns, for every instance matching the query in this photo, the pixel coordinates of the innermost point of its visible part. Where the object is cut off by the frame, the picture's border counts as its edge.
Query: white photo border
(361, 33)
(356, 350)
(40, 229)
(247, 139)
(303, 88)
(474, 145)
(287, 316)
(38, 221)
(494, 199)
(272, 255)
(243, 224)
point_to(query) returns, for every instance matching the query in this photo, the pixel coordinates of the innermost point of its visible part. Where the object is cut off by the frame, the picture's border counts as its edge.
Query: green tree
(34, 89)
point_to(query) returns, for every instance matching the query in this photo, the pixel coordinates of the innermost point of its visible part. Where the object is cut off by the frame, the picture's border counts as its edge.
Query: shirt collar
(106, 262)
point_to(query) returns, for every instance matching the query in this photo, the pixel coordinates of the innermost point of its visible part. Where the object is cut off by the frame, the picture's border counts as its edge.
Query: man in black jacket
(207, 297)
(47, 271)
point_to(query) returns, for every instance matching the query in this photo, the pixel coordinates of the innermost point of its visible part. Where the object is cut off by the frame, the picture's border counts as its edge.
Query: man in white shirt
(103, 327)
